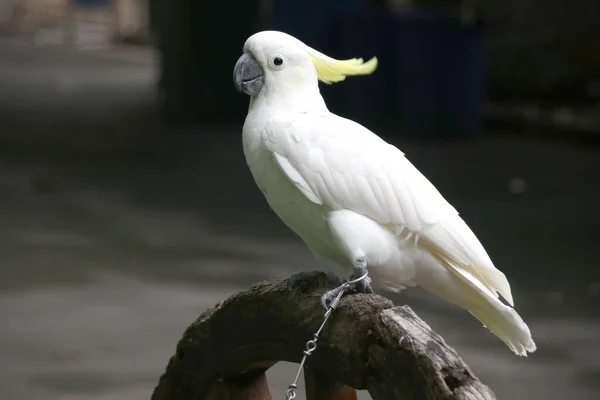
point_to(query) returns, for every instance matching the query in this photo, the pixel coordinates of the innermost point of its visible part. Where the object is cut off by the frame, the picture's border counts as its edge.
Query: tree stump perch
(367, 344)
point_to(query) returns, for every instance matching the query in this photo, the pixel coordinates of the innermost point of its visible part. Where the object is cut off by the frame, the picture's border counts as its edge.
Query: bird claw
(330, 295)
(360, 286)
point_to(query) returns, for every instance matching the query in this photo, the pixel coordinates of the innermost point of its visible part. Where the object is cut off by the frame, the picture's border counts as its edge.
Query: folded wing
(340, 164)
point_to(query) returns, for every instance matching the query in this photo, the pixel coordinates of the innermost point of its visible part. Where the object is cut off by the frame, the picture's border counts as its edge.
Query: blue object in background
(430, 79)
(440, 85)
(367, 98)
(463, 77)
(88, 3)
(309, 20)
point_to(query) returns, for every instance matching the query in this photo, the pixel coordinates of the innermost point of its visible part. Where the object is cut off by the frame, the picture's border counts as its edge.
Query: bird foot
(359, 282)
(363, 285)
(328, 297)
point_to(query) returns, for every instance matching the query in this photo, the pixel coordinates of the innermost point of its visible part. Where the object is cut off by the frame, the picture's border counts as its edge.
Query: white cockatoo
(353, 198)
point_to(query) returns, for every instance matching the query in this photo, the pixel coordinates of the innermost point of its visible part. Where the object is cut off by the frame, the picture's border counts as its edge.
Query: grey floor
(116, 234)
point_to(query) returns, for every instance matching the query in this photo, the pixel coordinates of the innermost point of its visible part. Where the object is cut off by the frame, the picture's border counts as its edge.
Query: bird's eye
(277, 61)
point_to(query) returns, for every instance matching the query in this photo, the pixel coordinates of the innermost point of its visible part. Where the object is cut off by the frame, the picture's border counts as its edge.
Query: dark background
(127, 209)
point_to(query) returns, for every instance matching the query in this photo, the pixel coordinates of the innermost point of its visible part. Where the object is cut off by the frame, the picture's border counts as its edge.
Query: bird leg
(359, 268)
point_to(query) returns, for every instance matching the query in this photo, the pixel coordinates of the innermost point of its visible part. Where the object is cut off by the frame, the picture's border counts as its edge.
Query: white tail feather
(460, 247)
(501, 319)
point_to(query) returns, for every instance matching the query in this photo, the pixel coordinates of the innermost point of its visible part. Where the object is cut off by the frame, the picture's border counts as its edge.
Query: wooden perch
(366, 344)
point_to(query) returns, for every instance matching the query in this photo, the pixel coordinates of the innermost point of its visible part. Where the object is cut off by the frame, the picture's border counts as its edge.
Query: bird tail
(501, 319)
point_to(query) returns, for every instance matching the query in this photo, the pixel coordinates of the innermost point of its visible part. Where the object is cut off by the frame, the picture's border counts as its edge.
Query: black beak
(248, 75)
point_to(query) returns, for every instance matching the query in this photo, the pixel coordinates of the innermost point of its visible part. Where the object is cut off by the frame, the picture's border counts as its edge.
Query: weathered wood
(367, 344)
(249, 386)
(320, 387)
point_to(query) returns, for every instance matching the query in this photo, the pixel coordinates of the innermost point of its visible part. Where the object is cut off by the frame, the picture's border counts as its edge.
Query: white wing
(339, 164)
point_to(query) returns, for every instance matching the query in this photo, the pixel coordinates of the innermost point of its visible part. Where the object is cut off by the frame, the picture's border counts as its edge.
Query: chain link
(311, 345)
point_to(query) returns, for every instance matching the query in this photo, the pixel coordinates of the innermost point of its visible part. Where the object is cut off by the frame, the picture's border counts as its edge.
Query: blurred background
(127, 209)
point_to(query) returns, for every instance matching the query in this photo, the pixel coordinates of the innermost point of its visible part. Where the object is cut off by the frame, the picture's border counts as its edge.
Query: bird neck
(298, 99)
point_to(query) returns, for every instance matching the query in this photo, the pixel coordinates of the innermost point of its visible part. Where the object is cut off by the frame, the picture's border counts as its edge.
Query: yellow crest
(330, 70)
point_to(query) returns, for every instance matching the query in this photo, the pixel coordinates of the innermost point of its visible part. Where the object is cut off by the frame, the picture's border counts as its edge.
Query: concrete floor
(117, 233)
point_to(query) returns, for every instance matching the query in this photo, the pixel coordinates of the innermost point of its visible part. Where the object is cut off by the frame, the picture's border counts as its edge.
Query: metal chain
(311, 345)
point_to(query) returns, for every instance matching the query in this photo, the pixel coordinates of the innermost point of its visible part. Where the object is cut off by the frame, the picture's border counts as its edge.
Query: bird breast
(305, 218)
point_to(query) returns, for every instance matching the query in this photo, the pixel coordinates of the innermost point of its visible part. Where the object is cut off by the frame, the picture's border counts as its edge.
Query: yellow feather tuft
(330, 70)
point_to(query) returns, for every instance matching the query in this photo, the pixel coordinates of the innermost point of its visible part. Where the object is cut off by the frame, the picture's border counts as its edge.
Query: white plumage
(347, 193)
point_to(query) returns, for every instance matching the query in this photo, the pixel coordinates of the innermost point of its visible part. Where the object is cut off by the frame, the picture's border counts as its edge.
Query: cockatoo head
(275, 61)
